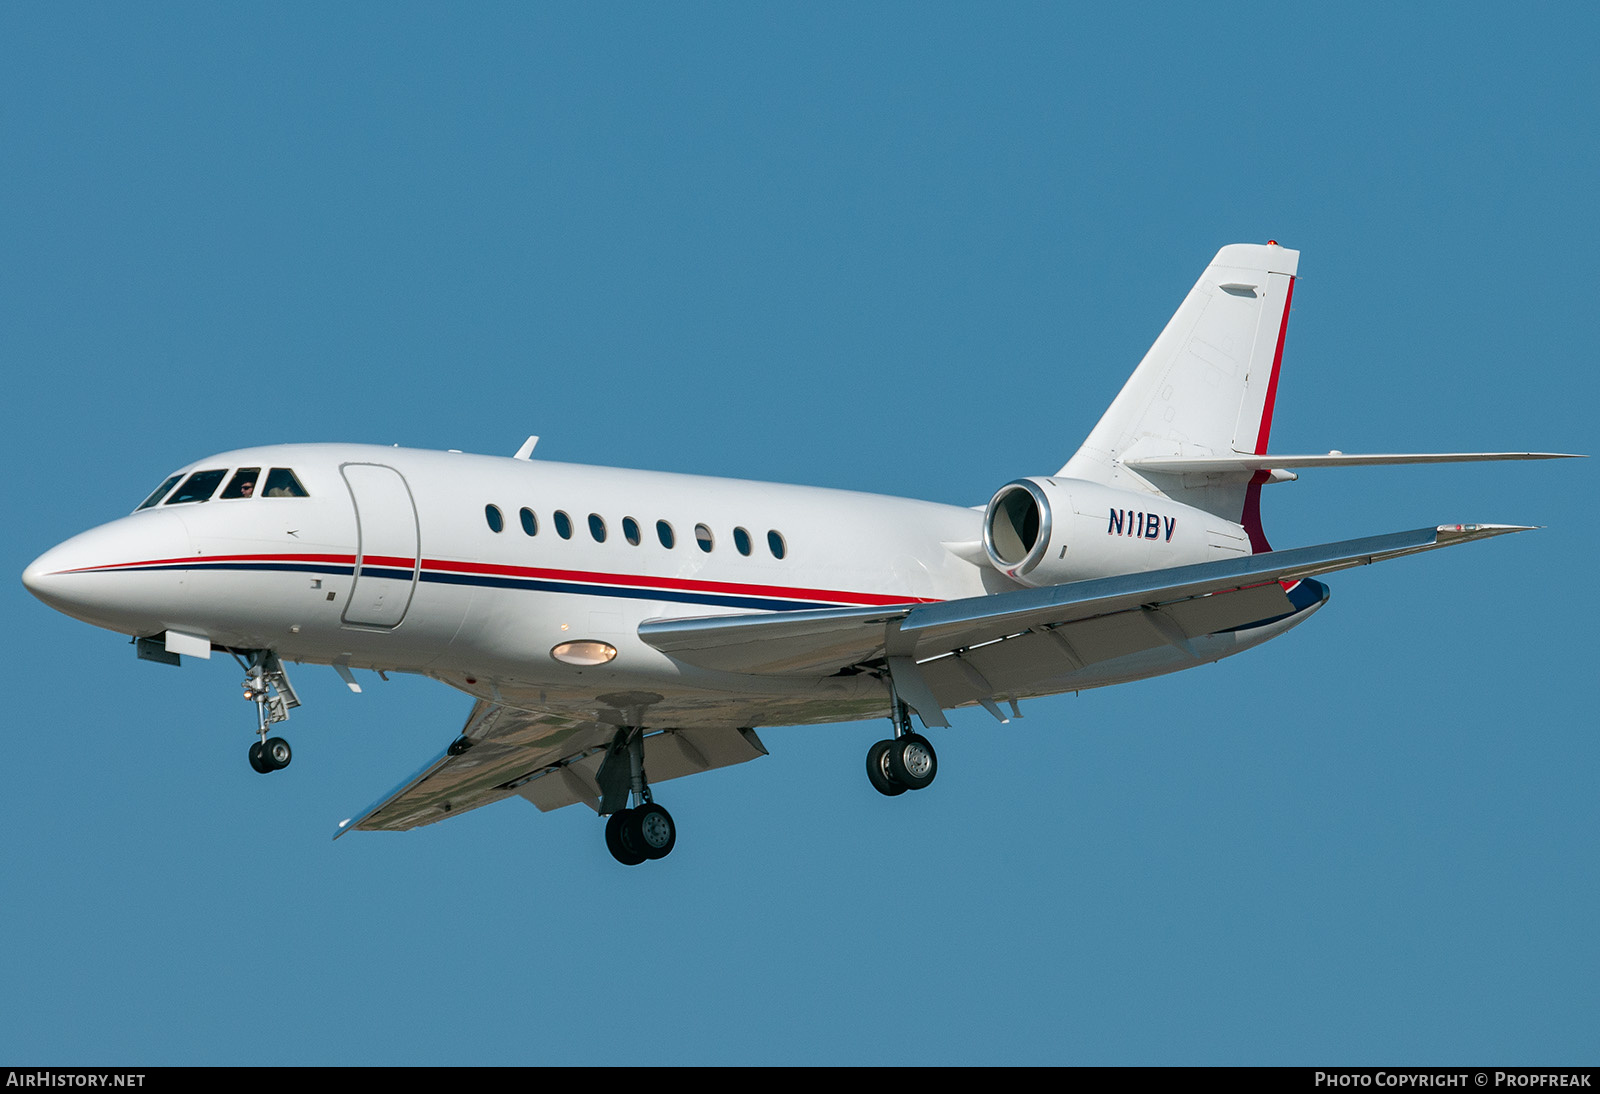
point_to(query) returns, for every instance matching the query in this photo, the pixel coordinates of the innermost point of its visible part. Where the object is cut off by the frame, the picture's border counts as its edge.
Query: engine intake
(1017, 527)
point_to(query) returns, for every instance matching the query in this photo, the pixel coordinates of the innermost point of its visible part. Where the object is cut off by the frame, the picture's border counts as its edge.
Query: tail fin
(1206, 388)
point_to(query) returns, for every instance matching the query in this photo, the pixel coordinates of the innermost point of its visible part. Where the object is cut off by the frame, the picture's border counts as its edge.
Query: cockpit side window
(243, 484)
(281, 483)
(198, 486)
(160, 492)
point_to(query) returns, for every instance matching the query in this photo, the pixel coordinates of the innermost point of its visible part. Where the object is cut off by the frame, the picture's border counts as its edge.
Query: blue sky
(912, 249)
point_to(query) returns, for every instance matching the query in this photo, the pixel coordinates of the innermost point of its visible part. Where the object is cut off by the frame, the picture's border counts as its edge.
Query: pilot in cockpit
(243, 484)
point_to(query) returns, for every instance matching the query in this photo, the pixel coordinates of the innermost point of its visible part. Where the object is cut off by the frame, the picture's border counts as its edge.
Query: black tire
(878, 772)
(258, 759)
(912, 761)
(650, 831)
(622, 853)
(276, 753)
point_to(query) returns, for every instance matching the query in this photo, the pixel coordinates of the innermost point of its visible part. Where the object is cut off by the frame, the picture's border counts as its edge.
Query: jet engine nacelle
(1045, 531)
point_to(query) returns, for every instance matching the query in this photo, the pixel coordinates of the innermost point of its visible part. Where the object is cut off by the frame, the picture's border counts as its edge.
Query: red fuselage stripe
(579, 576)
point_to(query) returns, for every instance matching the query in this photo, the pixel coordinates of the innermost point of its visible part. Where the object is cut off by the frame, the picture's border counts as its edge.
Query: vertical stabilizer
(1206, 388)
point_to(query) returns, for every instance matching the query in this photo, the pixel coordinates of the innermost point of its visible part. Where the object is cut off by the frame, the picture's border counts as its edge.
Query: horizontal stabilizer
(1239, 464)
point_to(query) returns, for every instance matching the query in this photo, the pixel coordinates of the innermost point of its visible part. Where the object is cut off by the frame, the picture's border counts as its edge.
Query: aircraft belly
(1118, 649)
(704, 700)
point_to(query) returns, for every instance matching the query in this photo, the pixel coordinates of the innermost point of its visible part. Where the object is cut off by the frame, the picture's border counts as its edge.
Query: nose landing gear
(267, 686)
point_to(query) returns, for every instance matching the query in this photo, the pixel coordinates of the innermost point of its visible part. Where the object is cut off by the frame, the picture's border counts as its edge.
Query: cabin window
(597, 527)
(741, 540)
(530, 523)
(159, 492)
(497, 523)
(281, 483)
(665, 534)
(702, 536)
(630, 531)
(243, 484)
(563, 524)
(776, 545)
(198, 487)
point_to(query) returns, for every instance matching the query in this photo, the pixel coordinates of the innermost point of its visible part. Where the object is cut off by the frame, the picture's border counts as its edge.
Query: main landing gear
(634, 835)
(644, 831)
(907, 762)
(267, 686)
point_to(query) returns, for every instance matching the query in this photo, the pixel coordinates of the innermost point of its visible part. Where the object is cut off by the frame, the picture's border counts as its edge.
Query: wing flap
(546, 757)
(508, 745)
(670, 754)
(1042, 660)
(826, 641)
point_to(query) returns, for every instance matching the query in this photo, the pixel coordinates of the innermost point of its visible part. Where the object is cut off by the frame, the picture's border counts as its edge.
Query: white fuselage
(391, 561)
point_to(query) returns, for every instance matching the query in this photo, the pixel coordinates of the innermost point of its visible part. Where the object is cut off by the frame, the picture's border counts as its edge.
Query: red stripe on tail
(1251, 518)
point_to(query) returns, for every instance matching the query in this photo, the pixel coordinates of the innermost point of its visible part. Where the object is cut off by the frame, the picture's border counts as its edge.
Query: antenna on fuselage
(527, 448)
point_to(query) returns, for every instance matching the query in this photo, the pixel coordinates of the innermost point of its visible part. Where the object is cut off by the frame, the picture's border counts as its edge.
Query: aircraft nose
(120, 575)
(39, 577)
(50, 577)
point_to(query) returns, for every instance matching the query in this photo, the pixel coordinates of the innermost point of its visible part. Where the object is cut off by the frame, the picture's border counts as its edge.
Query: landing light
(584, 653)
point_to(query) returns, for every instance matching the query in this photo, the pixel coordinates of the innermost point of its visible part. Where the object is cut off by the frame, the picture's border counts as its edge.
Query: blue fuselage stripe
(570, 588)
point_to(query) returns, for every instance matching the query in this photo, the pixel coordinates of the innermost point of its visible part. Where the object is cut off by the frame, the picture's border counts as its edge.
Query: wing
(550, 759)
(940, 655)
(982, 648)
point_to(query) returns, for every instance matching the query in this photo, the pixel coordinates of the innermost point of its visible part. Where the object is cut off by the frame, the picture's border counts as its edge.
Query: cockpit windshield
(198, 487)
(243, 484)
(281, 483)
(159, 493)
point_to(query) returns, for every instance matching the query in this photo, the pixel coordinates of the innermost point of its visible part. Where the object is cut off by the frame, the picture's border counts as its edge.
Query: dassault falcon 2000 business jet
(621, 628)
